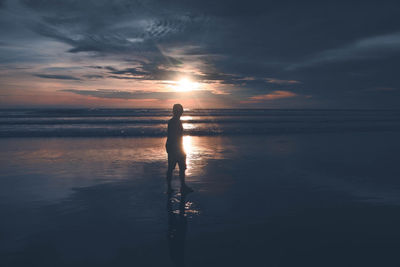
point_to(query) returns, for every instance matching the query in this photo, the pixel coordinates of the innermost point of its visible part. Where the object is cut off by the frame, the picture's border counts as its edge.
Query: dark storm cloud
(58, 77)
(331, 50)
(109, 26)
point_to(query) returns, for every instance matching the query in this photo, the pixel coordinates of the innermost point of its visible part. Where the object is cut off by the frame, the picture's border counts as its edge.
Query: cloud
(58, 77)
(110, 93)
(160, 71)
(110, 26)
(362, 49)
(235, 48)
(129, 71)
(272, 96)
(282, 82)
(163, 71)
(93, 76)
(384, 89)
(120, 94)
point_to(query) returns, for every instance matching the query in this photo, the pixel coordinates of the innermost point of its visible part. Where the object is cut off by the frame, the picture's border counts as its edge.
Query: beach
(273, 200)
(304, 199)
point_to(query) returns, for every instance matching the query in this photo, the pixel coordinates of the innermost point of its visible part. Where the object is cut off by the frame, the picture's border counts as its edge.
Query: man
(175, 151)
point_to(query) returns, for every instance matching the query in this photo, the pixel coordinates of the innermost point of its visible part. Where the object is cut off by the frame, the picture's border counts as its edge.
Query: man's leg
(171, 167)
(182, 169)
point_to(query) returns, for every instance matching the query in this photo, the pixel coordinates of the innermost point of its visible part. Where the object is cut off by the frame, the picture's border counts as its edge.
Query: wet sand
(289, 200)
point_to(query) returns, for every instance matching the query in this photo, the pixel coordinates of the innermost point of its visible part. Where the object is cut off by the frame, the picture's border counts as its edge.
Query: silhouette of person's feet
(186, 189)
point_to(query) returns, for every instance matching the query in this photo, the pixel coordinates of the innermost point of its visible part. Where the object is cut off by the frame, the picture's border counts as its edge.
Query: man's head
(177, 110)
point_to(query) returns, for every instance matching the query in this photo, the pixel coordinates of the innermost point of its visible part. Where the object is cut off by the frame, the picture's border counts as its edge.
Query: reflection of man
(177, 226)
(175, 150)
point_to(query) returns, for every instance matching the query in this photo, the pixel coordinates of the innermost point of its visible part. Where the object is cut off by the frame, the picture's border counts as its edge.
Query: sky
(203, 54)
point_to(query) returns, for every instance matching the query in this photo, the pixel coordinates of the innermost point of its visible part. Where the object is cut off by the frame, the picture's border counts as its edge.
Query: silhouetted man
(175, 151)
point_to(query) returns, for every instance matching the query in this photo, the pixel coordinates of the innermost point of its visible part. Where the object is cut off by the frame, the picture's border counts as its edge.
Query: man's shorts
(179, 158)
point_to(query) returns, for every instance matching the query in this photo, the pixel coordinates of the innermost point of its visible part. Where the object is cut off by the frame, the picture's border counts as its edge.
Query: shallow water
(278, 200)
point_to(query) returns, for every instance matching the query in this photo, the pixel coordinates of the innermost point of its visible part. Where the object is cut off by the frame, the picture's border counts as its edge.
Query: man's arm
(180, 130)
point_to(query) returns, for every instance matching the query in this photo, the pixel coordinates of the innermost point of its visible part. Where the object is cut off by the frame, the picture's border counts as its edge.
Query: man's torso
(175, 133)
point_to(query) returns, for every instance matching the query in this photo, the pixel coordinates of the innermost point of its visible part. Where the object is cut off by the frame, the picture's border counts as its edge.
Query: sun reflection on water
(186, 118)
(188, 145)
(189, 126)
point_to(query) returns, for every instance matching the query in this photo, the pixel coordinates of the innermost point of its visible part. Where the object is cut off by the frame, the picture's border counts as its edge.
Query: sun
(186, 85)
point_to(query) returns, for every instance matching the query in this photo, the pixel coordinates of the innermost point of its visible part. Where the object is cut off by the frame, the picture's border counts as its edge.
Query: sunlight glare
(186, 85)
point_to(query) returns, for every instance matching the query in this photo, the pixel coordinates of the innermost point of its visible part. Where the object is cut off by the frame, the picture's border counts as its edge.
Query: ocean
(200, 122)
(87, 187)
